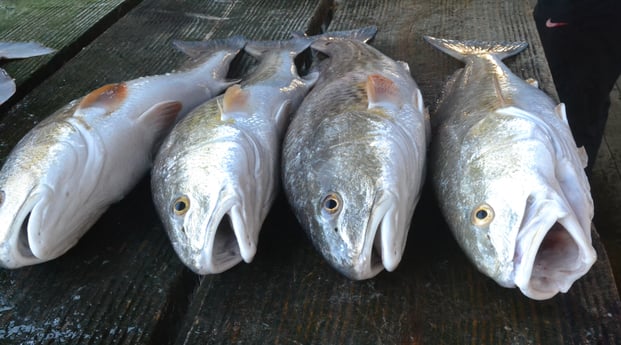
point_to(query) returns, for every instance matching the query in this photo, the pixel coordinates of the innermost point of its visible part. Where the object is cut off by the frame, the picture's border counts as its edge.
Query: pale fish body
(70, 167)
(353, 157)
(16, 50)
(216, 175)
(508, 174)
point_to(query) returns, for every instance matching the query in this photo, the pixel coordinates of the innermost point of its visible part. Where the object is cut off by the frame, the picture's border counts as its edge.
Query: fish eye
(482, 215)
(181, 205)
(332, 203)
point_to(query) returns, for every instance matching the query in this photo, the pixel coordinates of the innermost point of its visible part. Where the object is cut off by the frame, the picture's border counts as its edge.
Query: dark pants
(585, 60)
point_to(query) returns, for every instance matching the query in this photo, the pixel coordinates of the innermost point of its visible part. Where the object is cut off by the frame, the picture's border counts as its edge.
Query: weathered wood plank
(63, 25)
(290, 295)
(122, 284)
(606, 184)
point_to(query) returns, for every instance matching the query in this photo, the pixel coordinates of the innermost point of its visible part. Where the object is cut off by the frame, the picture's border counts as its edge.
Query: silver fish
(216, 175)
(508, 174)
(69, 168)
(353, 159)
(16, 50)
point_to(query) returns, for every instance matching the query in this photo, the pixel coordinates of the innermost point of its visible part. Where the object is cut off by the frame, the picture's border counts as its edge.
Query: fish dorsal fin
(418, 101)
(405, 65)
(108, 97)
(584, 158)
(559, 110)
(161, 117)
(235, 100)
(532, 82)
(381, 90)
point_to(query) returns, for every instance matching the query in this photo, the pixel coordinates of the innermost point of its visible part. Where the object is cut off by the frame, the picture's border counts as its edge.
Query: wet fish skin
(508, 174)
(16, 50)
(217, 174)
(353, 156)
(66, 171)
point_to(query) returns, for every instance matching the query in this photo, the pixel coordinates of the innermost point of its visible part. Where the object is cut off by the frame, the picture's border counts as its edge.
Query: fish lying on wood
(70, 167)
(354, 153)
(508, 174)
(16, 50)
(217, 173)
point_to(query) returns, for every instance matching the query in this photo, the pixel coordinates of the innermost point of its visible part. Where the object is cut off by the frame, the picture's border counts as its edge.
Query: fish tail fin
(363, 34)
(295, 46)
(462, 49)
(196, 49)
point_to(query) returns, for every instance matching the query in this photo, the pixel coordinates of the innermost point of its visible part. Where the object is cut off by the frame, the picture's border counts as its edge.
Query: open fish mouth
(228, 243)
(378, 252)
(552, 252)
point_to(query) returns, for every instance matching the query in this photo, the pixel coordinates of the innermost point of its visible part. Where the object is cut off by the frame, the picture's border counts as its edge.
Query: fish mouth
(378, 252)
(20, 252)
(228, 242)
(552, 251)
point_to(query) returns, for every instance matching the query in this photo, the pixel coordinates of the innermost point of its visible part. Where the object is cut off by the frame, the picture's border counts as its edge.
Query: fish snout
(226, 240)
(552, 250)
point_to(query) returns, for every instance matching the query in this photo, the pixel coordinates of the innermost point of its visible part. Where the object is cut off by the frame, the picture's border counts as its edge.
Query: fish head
(206, 214)
(354, 213)
(522, 222)
(42, 211)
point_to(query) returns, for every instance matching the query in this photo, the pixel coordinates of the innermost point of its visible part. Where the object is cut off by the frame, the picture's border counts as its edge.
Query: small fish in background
(508, 175)
(354, 155)
(70, 167)
(16, 50)
(217, 174)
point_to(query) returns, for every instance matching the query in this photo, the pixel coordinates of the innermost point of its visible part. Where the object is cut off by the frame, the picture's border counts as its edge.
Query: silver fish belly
(69, 168)
(353, 157)
(216, 175)
(508, 174)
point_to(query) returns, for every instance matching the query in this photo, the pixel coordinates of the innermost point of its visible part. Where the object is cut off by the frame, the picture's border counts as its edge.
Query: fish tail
(196, 49)
(363, 34)
(462, 49)
(295, 45)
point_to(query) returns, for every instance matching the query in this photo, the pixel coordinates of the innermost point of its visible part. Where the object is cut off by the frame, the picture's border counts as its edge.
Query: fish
(68, 169)
(17, 50)
(354, 156)
(508, 175)
(216, 175)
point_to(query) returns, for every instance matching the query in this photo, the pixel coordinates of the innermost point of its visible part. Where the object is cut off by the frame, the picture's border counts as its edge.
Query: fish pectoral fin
(161, 116)
(418, 102)
(109, 97)
(381, 90)
(584, 158)
(559, 110)
(283, 111)
(235, 100)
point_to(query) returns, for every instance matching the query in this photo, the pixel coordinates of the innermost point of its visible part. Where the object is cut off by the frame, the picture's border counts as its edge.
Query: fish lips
(227, 239)
(26, 243)
(552, 250)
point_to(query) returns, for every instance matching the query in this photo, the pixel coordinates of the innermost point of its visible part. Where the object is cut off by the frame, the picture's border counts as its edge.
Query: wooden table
(123, 284)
